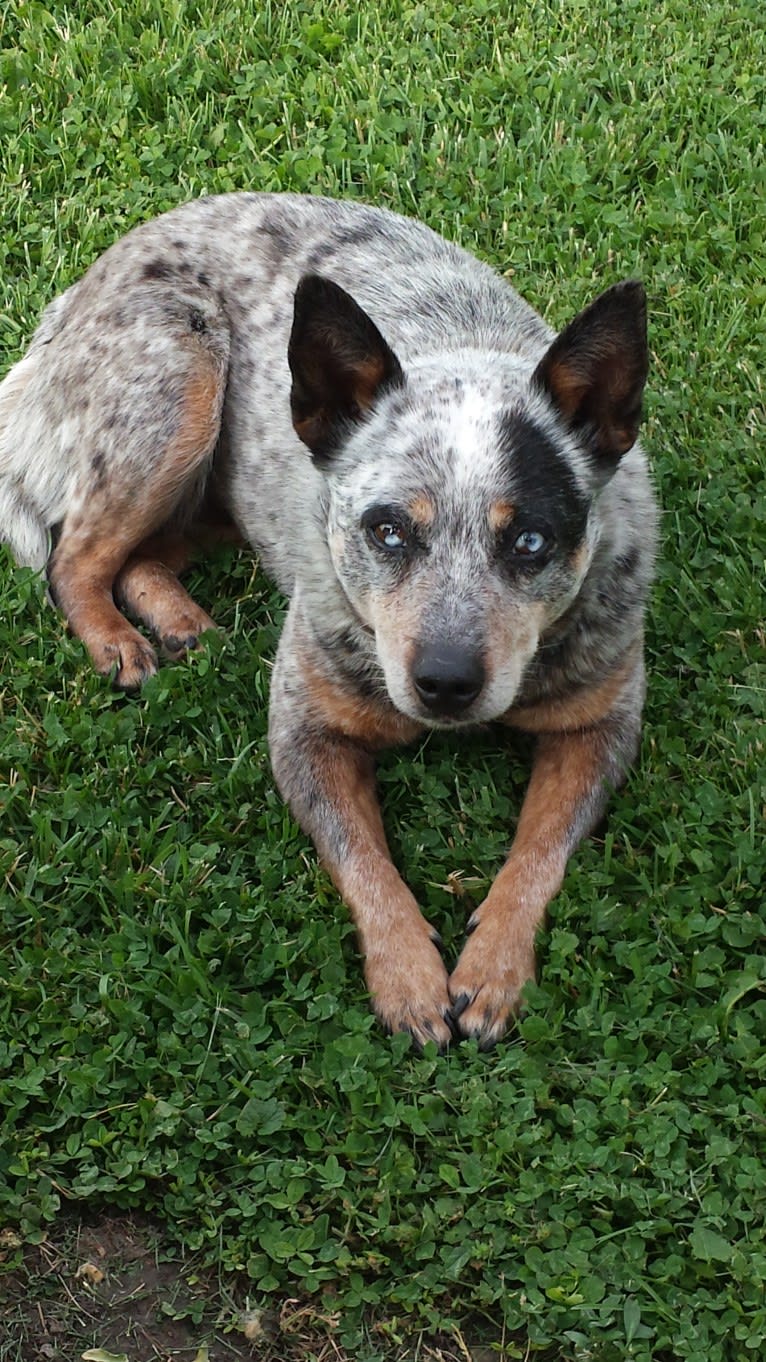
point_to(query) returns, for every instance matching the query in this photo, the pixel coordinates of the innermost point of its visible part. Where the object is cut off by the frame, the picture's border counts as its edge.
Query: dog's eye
(388, 535)
(530, 544)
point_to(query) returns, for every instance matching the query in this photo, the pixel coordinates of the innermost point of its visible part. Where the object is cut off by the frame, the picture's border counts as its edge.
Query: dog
(451, 495)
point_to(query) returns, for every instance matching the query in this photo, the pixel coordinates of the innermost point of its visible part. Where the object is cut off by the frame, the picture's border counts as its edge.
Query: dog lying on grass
(451, 496)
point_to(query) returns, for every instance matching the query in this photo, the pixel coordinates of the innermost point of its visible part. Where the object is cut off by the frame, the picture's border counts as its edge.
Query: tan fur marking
(341, 711)
(198, 428)
(501, 514)
(398, 620)
(511, 633)
(579, 559)
(586, 707)
(82, 573)
(422, 511)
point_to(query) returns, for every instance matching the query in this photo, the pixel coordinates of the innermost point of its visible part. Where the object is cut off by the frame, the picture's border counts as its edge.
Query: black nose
(447, 678)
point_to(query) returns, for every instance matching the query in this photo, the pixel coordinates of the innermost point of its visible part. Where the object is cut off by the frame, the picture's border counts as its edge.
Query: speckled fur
(479, 423)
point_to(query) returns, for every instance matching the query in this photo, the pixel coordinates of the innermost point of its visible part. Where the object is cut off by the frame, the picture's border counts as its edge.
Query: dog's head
(463, 494)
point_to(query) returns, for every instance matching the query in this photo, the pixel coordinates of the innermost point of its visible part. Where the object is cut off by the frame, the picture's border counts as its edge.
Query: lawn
(184, 1032)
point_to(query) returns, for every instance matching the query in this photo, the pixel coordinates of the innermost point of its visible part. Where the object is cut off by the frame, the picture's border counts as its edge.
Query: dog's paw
(485, 986)
(409, 993)
(129, 660)
(181, 634)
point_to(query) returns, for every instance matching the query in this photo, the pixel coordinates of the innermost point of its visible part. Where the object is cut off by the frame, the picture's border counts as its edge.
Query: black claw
(436, 938)
(132, 687)
(459, 1005)
(488, 1042)
(471, 925)
(428, 1026)
(417, 1043)
(174, 644)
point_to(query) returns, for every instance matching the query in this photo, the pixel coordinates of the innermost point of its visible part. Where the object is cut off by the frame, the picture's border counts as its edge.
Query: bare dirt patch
(117, 1285)
(110, 1284)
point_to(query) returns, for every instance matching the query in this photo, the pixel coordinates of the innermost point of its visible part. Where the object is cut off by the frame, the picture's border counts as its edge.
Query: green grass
(183, 1024)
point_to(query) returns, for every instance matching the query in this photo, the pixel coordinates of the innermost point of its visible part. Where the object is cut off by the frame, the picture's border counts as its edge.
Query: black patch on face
(197, 321)
(541, 485)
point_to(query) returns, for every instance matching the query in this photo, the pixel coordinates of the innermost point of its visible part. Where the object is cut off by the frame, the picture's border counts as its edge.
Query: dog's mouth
(461, 724)
(442, 715)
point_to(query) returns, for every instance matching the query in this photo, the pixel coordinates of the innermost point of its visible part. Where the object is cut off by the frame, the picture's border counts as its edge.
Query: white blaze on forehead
(470, 434)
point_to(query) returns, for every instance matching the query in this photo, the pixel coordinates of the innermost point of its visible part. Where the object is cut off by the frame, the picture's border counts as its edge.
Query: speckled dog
(471, 538)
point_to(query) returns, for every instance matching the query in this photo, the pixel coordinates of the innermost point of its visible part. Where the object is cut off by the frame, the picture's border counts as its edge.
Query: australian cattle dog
(450, 494)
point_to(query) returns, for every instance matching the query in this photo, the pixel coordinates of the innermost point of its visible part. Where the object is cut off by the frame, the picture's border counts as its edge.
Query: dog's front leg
(321, 741)
(572, 775)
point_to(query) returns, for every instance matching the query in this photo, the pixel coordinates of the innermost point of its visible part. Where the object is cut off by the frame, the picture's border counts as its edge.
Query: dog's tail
(22, 523)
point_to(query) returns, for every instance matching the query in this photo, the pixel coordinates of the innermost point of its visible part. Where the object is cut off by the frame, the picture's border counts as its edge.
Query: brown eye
(389, 535)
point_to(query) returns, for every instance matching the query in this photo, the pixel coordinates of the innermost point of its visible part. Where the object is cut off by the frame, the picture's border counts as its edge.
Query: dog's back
(236, 259)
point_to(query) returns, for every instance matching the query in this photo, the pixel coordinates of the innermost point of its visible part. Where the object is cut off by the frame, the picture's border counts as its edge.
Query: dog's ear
(595, 371)
(339, 362)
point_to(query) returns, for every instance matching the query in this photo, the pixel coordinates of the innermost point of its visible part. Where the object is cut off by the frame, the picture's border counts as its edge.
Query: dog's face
(463, 496)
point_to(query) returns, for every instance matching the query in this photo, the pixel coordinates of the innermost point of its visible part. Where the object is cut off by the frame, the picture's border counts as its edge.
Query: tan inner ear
(567, 386)
(311, 428)
(368, 376)
(621, 439)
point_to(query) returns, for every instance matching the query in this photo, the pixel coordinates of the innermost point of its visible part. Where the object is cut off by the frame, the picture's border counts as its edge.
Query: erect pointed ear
(339, 362)
(595, 371)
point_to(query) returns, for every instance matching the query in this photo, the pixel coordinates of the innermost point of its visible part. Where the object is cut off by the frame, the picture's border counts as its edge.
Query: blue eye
(530, 544)
(388, 535)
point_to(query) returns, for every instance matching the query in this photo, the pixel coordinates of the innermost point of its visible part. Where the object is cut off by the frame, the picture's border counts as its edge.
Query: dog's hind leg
(159, 469)
(147, 587)
(148, 590)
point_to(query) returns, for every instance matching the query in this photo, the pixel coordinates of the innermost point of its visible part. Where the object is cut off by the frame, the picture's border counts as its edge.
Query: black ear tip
(634, 289)
(317, 289)
(622, 305)
(308, 282)
(630, 293)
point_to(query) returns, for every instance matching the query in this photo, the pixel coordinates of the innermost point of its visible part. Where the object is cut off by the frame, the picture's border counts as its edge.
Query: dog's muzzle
(447, 679)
